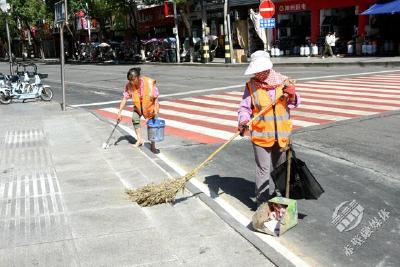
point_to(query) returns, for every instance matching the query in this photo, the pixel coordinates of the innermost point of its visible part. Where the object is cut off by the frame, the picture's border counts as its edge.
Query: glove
(290, 90)
(243, 127)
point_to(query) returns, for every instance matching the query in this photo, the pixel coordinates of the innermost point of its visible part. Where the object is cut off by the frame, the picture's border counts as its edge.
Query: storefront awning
(385, 8)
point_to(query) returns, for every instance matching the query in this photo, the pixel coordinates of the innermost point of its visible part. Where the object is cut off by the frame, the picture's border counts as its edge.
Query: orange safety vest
(275, 124)
(144, 105)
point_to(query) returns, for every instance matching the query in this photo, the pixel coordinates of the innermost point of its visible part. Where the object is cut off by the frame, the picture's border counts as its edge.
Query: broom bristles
(164, 192)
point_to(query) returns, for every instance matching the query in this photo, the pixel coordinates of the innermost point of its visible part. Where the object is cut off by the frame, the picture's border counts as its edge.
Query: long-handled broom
(166, 191)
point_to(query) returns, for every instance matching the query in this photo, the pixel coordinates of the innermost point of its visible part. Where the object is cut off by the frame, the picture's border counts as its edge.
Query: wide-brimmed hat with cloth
(259, 61)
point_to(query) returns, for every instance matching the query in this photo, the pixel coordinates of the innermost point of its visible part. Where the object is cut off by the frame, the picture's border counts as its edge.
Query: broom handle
(289, 167)
(199, 167)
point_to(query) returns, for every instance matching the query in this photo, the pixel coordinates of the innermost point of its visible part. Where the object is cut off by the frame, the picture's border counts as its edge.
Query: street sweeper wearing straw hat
(144, 93)
(271, 131)
(166, 190)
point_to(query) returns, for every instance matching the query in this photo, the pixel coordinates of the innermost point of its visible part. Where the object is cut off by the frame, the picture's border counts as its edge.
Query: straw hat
(260, 61)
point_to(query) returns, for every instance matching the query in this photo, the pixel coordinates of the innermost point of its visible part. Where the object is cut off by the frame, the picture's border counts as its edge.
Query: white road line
(351, 83)
(198, 117)
(98, 103)
(236, 93)
(339, 92)
(378, 77)
(235, 86)
(224, 135)
(348, 88)
(346, 75)
(358, 105)
(226, 97)
(234, 113)
(356, 82)
(164, 104)
(204, 90)
(295, 112)
(212, 102)
(345, 111)
(315, 98)
(337, 97)
(303, 123)
(161, 96)
(194, 128)
(222, 121)
(387, 81)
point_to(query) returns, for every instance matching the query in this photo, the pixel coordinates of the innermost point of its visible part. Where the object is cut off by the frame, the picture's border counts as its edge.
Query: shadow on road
(128, 138)
(237, 187)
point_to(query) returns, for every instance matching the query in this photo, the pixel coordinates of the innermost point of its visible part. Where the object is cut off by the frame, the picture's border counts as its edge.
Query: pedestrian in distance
(327, 46)
(271, 131)
(144, 93)
(332, 43)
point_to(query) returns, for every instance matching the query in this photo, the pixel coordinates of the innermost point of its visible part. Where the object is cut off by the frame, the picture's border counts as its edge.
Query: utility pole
(178, 56)
(228, 21)
(5, 7)
(9, 47)
(205, 47)
(227, 45)
(89, 26)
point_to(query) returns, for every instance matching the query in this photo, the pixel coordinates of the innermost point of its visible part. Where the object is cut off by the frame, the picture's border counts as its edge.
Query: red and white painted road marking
(212, 118)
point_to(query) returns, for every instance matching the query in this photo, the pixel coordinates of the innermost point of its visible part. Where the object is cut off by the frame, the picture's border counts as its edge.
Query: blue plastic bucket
(155, 130)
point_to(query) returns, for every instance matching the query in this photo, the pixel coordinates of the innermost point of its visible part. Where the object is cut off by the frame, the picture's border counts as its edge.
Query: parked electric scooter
(12, 88)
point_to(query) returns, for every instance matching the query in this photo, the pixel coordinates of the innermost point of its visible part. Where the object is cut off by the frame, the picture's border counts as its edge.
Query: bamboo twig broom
(164, 192)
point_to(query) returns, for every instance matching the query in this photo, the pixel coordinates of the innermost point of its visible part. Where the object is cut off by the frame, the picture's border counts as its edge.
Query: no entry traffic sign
(267, 9)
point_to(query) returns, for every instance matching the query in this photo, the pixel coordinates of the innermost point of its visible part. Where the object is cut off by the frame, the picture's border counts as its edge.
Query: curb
(235, 65)
(269, 252)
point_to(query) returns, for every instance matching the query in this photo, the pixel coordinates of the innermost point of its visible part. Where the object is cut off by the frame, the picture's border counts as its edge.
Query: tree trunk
(37, 43)
(133, 21)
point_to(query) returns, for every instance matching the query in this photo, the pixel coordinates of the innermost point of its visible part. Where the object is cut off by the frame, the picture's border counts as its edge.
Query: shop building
(301, 22)
(153, 22)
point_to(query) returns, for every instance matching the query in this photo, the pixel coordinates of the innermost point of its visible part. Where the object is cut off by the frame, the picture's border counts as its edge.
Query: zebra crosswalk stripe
(323, 101)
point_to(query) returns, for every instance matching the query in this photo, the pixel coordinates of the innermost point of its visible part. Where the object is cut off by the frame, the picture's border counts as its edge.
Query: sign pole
(89, 35)
(267, 10)
(62, 64)
(61, 17)
(9, 47)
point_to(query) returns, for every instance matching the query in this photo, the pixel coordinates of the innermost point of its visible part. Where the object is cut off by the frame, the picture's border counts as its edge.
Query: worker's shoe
(153, 148)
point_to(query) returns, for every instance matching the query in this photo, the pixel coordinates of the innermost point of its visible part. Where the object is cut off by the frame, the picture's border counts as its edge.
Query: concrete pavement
(62, 200)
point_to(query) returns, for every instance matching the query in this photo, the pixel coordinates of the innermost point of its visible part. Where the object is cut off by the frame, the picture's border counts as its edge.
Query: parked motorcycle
(13, 87)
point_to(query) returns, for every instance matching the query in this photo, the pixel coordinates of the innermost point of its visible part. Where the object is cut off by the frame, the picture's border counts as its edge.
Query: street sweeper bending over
(271, 131)
(144, 94)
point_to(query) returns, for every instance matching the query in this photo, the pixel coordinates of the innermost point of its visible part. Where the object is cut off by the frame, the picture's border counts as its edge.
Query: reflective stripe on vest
(145, 106)
(275, 124)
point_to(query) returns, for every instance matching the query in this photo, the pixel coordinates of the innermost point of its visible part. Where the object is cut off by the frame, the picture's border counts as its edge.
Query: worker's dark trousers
(267, 159)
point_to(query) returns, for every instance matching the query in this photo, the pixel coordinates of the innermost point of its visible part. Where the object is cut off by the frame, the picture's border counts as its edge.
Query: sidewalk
(62, 200)
(278, 61)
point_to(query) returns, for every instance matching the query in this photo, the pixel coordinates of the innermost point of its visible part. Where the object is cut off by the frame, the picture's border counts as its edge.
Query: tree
(29, 13)
(101, 10)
